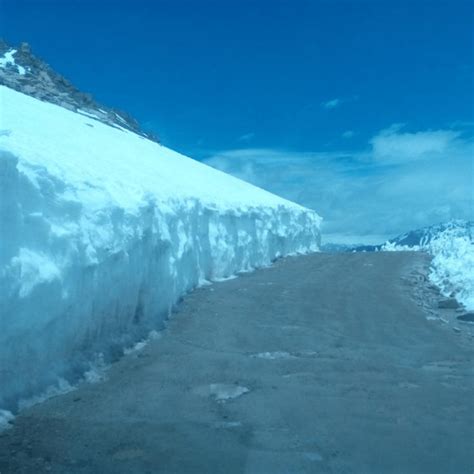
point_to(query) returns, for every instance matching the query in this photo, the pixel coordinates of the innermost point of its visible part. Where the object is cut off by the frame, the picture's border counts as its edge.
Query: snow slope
(102, 231)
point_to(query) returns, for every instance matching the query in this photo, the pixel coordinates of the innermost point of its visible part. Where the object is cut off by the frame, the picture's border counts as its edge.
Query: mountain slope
(422, 237)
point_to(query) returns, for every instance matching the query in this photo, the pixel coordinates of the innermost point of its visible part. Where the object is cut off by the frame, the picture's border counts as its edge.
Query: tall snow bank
(102, 231)
(452, 266)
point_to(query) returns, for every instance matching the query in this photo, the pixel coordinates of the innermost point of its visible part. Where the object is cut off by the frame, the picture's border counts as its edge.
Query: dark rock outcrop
(21, 70)
(467, 317)
(448, 303)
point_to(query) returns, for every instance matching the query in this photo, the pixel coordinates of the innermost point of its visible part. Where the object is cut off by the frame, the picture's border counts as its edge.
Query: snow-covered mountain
(422, 237)
(103, 230)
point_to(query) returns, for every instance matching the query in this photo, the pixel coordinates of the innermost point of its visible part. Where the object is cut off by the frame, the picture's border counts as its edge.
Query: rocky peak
(21, 70)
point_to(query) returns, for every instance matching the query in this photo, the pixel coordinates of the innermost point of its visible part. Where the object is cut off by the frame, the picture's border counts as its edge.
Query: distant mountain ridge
(422, 237)
(22, 71)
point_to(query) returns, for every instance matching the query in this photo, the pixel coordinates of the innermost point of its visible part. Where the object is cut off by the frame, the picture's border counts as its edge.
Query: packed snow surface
(102, 231)
(452, 266)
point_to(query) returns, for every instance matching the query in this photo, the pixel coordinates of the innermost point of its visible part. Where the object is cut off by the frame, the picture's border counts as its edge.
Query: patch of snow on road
(140, 345)
(61, 387)
(220, 280)
(221, 391)
(274, 355)
(228, 424)
(97, 370)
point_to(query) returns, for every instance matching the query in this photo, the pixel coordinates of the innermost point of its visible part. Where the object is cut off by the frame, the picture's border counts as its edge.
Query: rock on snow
(102, 231)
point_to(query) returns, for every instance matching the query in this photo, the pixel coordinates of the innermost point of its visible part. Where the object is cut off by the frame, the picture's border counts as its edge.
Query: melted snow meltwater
(103, 231)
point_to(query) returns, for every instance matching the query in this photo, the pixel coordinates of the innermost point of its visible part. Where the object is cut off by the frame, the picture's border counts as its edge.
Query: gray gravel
(321, 364)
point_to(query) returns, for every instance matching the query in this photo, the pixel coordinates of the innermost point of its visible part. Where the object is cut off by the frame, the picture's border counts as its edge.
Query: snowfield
(102, 231)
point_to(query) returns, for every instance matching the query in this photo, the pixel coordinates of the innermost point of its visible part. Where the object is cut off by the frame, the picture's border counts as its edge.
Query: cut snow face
(103, 231)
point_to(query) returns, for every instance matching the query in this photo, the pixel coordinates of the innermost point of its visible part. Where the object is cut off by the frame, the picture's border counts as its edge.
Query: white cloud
(246, 137)
(338, 101)
(332, 104)
(394, 145)
(361, 193)
(348, 134)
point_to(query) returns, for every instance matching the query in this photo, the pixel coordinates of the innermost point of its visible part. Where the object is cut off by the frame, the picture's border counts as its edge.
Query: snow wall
(452, 265)
(101, 233)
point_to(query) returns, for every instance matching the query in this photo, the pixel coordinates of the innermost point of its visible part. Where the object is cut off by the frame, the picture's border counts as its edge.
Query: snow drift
(102, 231)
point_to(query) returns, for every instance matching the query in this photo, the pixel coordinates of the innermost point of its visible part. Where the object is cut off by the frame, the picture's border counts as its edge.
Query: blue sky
(360, 96)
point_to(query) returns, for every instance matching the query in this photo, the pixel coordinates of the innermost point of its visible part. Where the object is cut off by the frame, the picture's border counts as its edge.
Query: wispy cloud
(332, 104)
(337, 102)
(348, 134)
(394, 145)
(366, 193)
(246, 137)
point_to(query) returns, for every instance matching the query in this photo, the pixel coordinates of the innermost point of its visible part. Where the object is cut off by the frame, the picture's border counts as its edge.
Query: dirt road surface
(320, 364)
